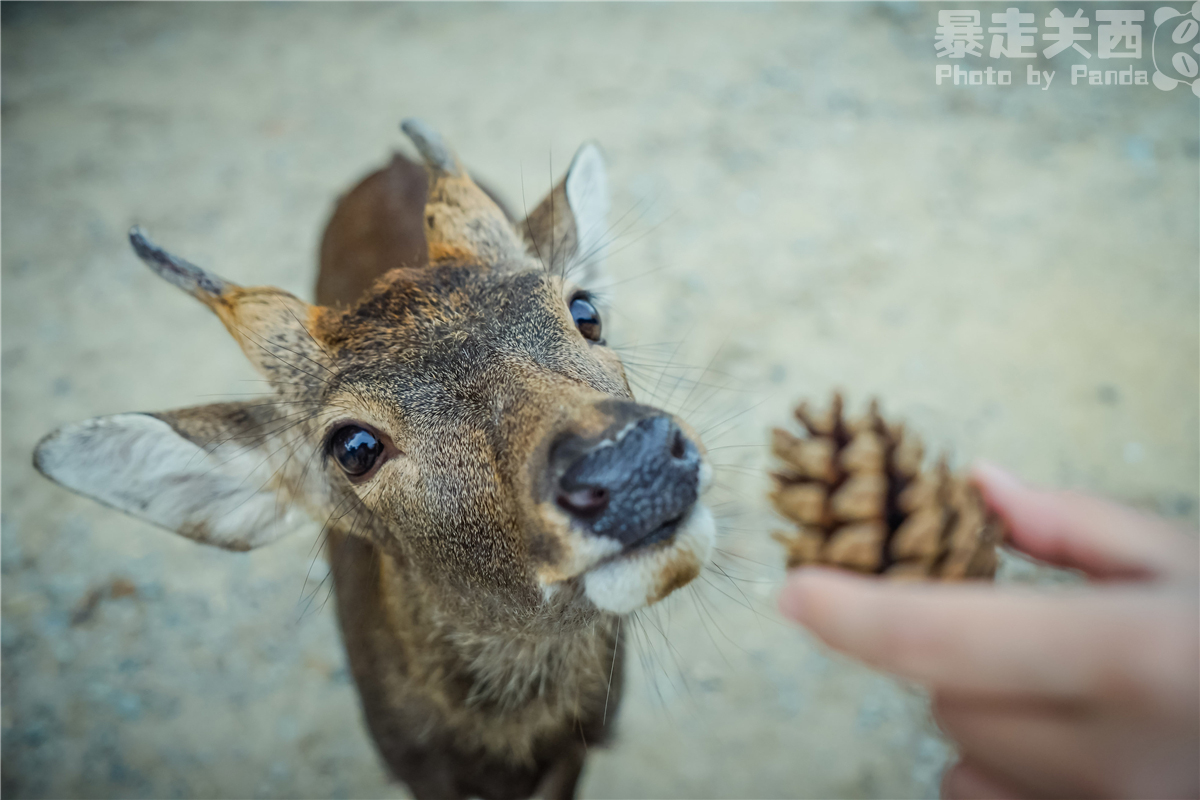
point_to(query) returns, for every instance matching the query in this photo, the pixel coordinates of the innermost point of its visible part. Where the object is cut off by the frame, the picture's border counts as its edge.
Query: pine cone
(860, 500)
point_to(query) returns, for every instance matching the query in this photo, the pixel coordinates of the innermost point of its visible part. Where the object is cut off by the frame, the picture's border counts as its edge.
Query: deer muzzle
(629, 496)
(635, 487)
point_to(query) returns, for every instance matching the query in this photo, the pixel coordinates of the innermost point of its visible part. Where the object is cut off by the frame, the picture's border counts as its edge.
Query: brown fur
(376, 226)
(462, 698)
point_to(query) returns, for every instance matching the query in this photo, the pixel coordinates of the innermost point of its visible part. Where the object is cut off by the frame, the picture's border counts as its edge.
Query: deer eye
(356, 449)
(587, 318)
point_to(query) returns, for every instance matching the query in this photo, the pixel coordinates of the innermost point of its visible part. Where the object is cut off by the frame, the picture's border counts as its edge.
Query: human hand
(1088, 691)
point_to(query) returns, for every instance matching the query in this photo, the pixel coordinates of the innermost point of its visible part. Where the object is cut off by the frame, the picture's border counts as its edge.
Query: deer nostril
(589, 501)
(678, 447)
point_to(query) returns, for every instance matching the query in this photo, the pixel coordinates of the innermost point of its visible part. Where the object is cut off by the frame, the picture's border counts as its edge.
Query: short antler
(434, 152)
(202, 285)
(274, 329)
(461, 221)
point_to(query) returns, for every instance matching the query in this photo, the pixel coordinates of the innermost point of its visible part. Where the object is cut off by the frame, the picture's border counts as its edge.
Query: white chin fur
(629, 583)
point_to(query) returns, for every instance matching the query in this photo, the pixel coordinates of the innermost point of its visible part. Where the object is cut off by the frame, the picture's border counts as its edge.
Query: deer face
(465, 416)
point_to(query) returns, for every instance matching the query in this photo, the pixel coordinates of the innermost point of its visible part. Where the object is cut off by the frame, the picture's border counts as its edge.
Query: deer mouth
(627, 506)
(662, 533)
(646, 571)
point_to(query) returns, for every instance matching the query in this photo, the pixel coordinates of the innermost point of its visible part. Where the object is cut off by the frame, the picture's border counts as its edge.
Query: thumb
(1098, 537)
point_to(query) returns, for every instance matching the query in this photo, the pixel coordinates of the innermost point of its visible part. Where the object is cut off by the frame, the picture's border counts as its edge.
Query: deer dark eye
(586, 317)
(356, 450)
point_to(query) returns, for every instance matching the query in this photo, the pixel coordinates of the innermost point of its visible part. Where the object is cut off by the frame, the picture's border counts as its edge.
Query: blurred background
(799, 207)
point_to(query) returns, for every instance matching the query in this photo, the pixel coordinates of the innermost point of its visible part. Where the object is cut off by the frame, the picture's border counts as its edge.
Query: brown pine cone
(860, 500)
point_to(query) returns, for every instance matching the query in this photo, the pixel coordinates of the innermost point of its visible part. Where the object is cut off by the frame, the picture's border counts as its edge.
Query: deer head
(466, 416)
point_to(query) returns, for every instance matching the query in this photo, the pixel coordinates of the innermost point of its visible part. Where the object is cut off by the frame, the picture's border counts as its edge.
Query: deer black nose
(635, 487)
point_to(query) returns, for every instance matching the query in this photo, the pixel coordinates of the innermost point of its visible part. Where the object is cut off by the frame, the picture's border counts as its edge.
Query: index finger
(1070, 529)
(980, 638)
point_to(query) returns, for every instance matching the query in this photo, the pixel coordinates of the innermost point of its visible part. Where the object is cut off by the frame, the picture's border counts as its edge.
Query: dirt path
(1013, 270)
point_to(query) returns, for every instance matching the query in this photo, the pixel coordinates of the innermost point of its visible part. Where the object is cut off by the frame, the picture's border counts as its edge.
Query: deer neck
(495, 654)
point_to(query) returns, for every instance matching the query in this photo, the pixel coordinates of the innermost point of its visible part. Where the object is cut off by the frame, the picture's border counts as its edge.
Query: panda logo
(1175, 53)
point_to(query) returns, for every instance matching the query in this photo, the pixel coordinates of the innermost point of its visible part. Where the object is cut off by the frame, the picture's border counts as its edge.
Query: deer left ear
(568, 230)
(221, 474)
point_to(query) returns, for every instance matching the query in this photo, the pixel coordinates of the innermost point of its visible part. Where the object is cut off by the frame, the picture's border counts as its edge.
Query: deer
(494, 500)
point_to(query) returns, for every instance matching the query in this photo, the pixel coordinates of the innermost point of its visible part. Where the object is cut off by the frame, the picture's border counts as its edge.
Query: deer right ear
(221, 474)
(568, 228)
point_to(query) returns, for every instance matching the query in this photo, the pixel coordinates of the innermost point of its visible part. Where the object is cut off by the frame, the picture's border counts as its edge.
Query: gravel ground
(1014, 271)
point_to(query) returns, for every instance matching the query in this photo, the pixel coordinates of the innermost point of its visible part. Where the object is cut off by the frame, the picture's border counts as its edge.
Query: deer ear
(218, 474)
(568, 229)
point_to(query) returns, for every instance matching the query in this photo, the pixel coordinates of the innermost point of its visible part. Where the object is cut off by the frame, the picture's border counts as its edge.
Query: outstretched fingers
(1043, 752)
(979, 638)
(1067, 750)
(967, 780)
(1073, 530)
